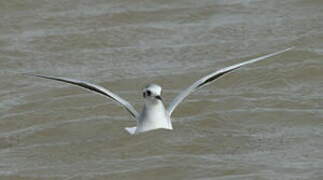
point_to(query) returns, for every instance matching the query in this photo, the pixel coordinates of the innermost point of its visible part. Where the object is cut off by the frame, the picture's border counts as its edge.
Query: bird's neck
(154, 112)
(154, 105)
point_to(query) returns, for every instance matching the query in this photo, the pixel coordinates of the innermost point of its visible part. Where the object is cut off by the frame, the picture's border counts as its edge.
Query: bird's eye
(148, 93)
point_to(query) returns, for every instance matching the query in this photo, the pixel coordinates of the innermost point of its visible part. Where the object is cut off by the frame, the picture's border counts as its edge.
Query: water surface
(263, 121)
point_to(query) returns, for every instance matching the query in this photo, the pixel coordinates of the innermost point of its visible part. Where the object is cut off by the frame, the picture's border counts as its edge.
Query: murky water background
(262, 122)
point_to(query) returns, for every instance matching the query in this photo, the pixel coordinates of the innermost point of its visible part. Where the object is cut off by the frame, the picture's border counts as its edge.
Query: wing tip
(28, 74)
(287, 49)
(34, 75)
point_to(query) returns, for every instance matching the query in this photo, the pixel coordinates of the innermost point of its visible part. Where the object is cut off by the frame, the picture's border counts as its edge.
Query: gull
(155, 115)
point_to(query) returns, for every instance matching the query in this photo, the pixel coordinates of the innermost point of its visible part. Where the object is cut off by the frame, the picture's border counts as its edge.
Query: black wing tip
(44, 76)
(216, 77)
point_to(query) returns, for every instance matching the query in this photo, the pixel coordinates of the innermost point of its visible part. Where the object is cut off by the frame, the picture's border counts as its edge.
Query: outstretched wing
(92, 87)
(212, 77)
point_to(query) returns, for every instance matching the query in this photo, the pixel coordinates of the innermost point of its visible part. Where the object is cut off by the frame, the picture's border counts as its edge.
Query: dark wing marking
(212, 77)
(92, 87)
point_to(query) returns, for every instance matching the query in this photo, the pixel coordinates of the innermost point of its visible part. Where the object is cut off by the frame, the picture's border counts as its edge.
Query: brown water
(262, 122)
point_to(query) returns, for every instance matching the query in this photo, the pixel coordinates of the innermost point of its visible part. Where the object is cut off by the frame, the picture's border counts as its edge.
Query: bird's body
(155, 115)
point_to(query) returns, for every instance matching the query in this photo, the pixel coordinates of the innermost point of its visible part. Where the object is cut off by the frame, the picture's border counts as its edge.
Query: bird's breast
(153, 117)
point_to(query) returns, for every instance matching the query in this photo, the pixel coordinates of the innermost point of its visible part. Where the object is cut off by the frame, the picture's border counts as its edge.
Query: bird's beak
(159, 97)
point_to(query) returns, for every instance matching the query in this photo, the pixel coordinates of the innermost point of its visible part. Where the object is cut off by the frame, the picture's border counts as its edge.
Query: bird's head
(152, 92)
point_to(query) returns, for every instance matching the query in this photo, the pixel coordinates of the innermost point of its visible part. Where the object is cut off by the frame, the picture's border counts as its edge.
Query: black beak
(159, 97)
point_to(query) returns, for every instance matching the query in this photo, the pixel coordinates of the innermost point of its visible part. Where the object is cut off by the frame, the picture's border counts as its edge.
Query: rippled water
(264, 121)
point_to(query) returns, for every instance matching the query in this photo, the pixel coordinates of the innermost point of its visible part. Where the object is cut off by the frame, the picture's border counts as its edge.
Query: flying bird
(155, 115)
